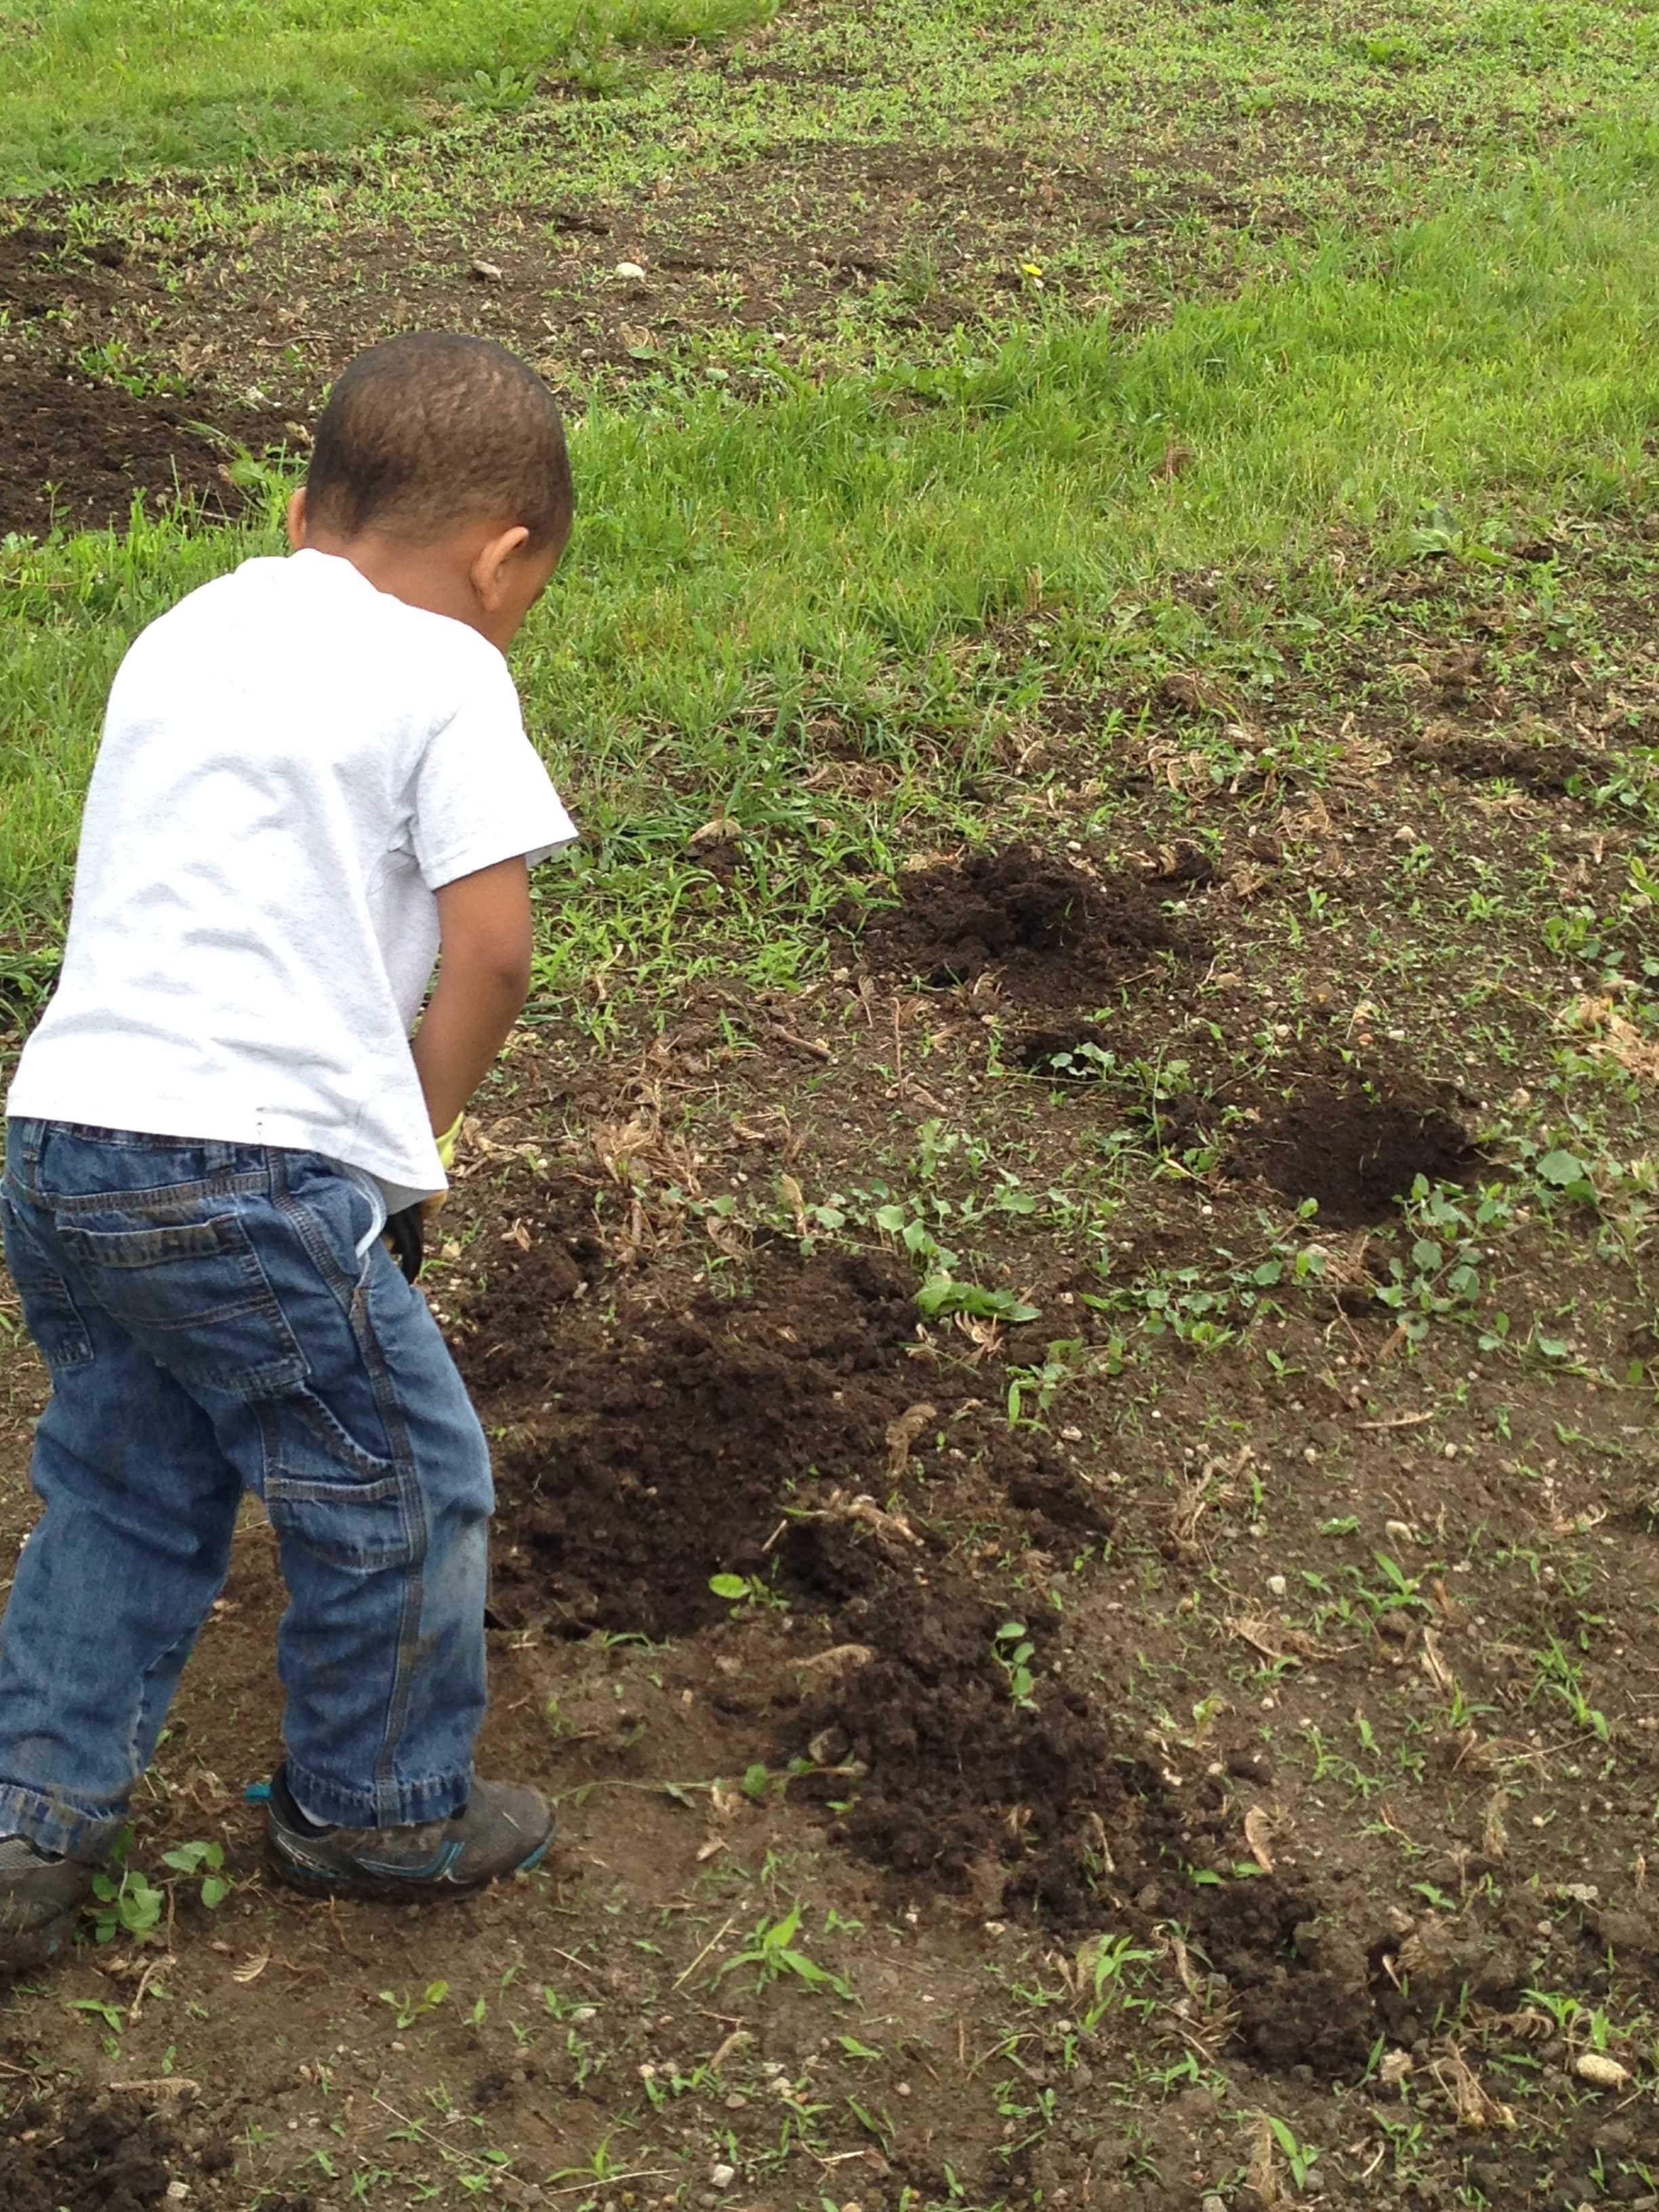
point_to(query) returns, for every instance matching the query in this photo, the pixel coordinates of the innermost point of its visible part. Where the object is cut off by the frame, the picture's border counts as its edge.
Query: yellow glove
(447, 1143)
(447, 1154)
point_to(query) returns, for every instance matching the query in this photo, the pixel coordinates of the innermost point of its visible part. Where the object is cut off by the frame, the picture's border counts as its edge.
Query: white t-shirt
(293, 762)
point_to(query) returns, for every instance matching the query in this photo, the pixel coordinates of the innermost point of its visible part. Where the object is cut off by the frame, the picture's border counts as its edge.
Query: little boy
(313, 778)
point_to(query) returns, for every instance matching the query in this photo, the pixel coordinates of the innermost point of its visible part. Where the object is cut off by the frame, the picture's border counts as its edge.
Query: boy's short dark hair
(432, 429)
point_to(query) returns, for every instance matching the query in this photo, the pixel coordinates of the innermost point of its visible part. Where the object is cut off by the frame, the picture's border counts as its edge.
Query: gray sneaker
(501, 1830)
(40, 1899)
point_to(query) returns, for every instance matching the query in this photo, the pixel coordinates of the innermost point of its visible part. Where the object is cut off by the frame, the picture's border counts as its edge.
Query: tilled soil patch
(1052, 934)
(1357, 1147)
(1014, 1801)
(75, 455)
(74, 451)
(658, 1460)
(113, 2157)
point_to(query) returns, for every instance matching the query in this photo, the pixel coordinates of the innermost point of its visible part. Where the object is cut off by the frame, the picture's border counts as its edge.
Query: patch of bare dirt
(1357, 1147)
(76, 454)
(114, 2156)
(1050, 933)
(1551, 770)
(657, 1461)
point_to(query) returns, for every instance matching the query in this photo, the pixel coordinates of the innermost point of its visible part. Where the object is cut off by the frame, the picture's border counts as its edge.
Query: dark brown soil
(38, 275)
(1358, 1148)
(75, 455)
(507, 1340)
(658, 1460)
(1049, 933)
(1037, 1809)
(91, 2158)
(1549, 769)
(75, 450)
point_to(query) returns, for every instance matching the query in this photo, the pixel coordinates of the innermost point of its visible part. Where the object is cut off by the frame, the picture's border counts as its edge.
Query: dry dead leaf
(740, 2039)
(1273, 1640)
(1494, 1835)
(891, 1525)
(1475, 2106)
(902, 1433)
(1435, 1667)
(1262, 2173)
(1605, 1034)
(252, 1971)
(1257, 1830)
(795, 1199)
(840, 1659)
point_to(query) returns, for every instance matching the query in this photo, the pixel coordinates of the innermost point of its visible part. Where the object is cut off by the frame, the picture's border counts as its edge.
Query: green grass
(98, 88)
(742, 570)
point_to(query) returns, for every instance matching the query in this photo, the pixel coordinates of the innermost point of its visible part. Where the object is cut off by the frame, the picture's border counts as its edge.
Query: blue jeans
(218, 1317)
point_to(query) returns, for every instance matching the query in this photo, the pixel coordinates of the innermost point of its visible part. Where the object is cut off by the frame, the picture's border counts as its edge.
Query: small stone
(1277, 1585)
(177, 2192)
(1214, 2204)
(722, 2175)
(630, 272)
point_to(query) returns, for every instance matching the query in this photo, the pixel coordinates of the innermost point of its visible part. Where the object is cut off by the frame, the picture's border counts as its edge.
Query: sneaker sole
(389, 1889)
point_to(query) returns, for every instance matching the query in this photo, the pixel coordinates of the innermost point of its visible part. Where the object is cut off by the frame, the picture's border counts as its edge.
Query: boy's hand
(484, 975)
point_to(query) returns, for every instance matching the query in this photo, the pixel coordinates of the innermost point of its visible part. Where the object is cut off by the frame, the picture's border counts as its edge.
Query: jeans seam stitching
(151, 1196)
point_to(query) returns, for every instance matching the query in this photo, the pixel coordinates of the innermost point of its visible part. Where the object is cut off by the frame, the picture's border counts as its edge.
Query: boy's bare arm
(484, 928)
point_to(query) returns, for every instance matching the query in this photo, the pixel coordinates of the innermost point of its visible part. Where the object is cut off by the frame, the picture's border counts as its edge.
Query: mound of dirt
(1358, 1148)
(1055, 935)
(657, 1461)
(74, 454)
(506, 1341)
(1301, 1990)
(1016, 1807)
(113, 2157)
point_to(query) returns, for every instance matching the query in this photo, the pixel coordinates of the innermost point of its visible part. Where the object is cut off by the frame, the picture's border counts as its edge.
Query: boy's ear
(492, 566)
(296, 521)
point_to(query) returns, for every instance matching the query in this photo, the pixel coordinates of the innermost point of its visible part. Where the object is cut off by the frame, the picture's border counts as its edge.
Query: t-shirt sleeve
(480, 793)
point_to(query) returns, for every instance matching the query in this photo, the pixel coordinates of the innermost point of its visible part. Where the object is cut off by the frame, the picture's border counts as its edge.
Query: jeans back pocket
(194, 1296)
